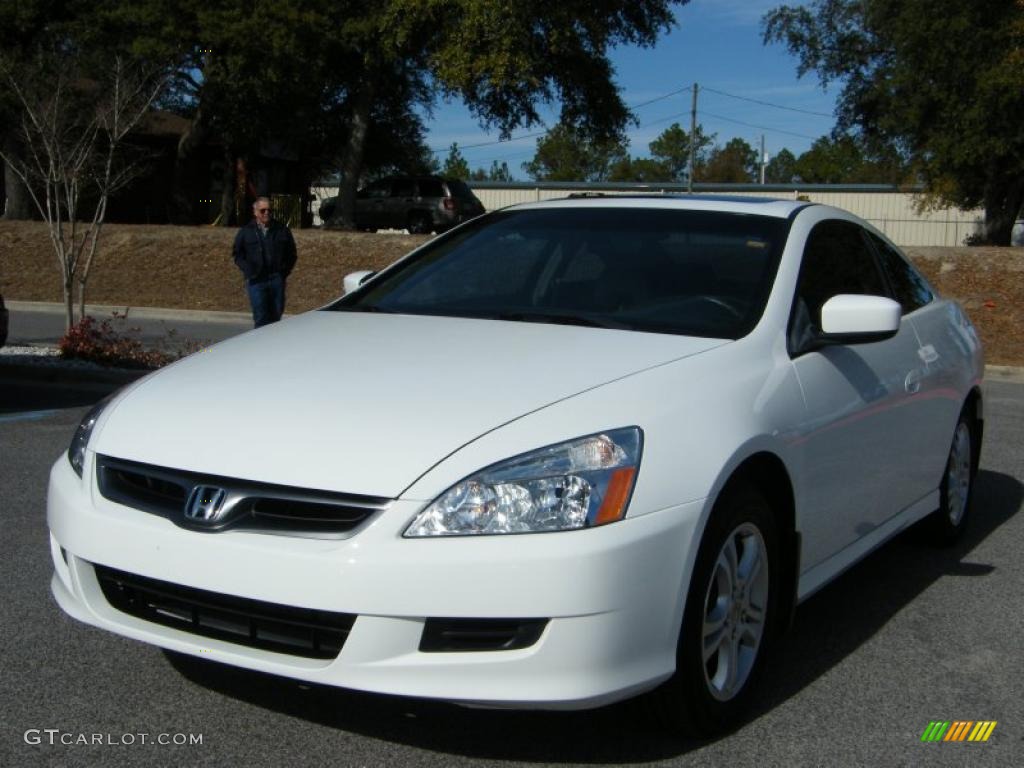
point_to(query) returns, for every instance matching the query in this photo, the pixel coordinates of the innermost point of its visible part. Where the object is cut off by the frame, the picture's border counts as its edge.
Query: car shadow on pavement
(828, 627)
(848, 612)
(27, 395)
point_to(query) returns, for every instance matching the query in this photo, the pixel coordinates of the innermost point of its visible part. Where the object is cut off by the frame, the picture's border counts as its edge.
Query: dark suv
(419, 204)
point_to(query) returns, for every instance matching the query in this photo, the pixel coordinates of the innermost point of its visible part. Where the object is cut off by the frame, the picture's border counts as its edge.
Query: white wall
(894, 213)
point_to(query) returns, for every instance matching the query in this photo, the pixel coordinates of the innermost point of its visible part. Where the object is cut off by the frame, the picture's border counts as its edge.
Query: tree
(669, 161)
(565, 154)
(672, 149)
(503, 59)
(782, 169)
(640, 169)
(497, 173)
(735, 163)
(455, 166)
(842, 159)
(24, 29)
(74, 123)
(938, 82)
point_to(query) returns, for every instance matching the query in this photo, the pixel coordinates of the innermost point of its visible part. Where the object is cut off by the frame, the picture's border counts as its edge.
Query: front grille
(462, 635)
(280, 628)
(244, 505)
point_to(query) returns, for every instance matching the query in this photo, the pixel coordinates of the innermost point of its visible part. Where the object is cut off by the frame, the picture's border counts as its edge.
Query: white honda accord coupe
(567, 453)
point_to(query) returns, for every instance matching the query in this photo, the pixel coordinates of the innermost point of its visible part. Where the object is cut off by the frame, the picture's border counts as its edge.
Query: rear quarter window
(909, 287)
(460, 189)
(431, 188)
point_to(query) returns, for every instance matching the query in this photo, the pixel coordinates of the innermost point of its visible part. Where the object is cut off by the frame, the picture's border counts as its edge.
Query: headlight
(576, 484)
(76, 451)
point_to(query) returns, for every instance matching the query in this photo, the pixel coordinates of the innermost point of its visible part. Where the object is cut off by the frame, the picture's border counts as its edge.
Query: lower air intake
(280, 628)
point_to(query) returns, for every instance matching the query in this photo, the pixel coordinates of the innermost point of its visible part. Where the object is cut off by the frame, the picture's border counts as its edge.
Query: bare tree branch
(73, 131)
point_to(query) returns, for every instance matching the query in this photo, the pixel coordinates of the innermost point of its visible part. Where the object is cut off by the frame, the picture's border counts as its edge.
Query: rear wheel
(729, 617)
(419, 223)
(949, 521)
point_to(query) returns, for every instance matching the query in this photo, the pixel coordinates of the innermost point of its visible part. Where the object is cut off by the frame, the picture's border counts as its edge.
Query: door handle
(912, 384)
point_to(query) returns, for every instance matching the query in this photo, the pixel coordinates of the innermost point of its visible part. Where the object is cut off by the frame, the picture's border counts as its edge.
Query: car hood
(363, 403)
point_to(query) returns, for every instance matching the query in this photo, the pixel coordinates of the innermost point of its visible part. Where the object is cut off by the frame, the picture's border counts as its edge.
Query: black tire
(419, 224)
(947, 524)
(707, 697)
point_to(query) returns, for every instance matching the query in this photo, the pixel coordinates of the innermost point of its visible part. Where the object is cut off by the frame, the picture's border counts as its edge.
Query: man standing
(265, 252)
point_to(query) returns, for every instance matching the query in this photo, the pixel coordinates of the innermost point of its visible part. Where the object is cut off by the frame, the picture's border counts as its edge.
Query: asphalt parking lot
(911, 635)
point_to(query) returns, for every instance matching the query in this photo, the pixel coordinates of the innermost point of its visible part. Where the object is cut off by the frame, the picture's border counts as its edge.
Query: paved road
(911, 635)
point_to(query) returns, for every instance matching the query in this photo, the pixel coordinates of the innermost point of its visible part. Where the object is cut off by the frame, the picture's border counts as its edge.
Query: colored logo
(958, 730)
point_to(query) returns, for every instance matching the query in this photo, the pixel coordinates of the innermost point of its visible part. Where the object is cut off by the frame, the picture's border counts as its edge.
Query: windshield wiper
(560, 319)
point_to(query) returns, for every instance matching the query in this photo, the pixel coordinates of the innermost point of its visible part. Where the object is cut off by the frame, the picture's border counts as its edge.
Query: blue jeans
(267, 299)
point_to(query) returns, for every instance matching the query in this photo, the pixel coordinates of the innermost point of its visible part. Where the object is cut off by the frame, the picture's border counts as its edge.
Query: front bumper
(612, 597)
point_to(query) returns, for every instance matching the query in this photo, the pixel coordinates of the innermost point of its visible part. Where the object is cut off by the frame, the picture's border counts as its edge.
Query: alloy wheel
(735, 611)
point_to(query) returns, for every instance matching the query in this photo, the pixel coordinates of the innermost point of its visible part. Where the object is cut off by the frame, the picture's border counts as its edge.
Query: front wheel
(730, 614)
(419, 224)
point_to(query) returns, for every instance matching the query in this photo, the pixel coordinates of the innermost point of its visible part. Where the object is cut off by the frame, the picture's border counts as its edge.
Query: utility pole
(693, 141)
(764, 160)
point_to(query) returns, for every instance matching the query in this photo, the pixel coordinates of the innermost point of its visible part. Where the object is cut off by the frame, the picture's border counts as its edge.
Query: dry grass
(191, 268)
(187, 267)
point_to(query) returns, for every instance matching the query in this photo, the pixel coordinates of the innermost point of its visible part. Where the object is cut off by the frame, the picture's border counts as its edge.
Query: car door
(946, 344)
(370, 202)
(859, 426)
(401, 202)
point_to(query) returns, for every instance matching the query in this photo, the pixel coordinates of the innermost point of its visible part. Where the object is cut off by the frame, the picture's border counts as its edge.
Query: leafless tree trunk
(73, 132)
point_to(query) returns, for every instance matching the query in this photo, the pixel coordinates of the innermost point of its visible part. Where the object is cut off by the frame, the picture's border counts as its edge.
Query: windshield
(659, 270)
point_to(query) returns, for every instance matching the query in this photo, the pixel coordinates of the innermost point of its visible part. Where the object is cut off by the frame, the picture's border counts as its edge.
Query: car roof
(762, 206)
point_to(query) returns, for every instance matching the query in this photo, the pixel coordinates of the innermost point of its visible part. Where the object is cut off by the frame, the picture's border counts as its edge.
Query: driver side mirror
(354, 279)
(856, 319)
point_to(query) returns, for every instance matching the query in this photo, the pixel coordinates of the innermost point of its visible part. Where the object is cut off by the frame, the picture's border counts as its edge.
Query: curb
(1004, 373)
(148, 313)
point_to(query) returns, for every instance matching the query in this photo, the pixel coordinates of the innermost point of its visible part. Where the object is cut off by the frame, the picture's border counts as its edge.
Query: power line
(760, 127)
(670, 117)
(648, 124)
(765, 103)
(542, 133)
(492, 143)
(660, 98)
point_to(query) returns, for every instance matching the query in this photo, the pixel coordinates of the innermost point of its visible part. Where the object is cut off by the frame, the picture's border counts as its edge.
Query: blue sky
(716, 43)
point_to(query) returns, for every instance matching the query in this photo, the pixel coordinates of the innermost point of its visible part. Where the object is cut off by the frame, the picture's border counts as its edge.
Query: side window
(378, 189)
(837, 259)
(404, 188)
(911, 289)
(431, 188)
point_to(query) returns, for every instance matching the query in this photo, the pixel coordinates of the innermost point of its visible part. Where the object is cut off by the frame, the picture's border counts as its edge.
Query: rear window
(655, 270)
(460, 189)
